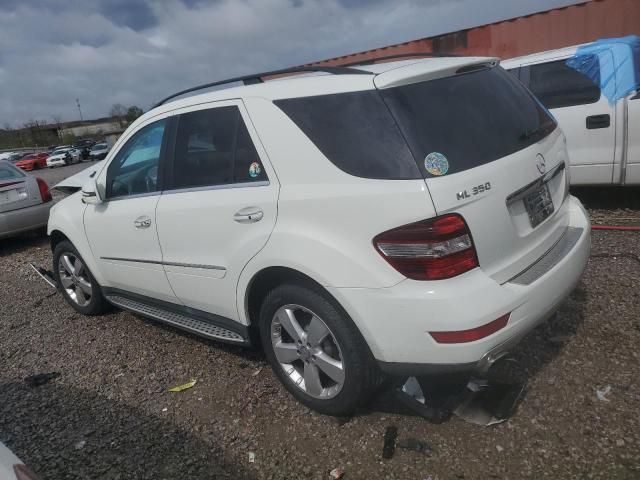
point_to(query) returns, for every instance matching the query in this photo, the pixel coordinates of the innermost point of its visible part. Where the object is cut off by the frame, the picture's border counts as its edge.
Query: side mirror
(90, 193)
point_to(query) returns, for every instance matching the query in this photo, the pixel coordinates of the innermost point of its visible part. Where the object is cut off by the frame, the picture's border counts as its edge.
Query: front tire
(76, 283)
(315, 350)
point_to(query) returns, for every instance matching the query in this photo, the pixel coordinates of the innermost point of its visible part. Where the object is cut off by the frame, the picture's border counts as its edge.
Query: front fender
(67, 217)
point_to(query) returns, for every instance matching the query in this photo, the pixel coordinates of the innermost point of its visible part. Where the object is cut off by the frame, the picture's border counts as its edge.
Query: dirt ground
(109, 415)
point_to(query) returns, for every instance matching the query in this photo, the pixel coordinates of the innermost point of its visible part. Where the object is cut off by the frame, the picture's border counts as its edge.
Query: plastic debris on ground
(412, 396)
(415, 445)
(40, 379)
(602, 393)
(336, 473)
(252, 457)
(80, 445)
(389, 446)
(487, 403)
(185, 386)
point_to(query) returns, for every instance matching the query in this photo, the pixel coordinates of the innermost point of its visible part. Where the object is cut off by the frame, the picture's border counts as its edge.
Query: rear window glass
(356, 132)
(457, 123)
(7, 172)
(557, 85)
(426, 129)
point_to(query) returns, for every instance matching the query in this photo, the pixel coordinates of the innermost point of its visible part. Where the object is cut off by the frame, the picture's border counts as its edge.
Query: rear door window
(457, 123)
(557, 85)
(213, 147)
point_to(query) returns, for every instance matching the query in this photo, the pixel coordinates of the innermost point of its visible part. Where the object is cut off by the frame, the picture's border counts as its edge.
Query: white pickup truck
(603, 137)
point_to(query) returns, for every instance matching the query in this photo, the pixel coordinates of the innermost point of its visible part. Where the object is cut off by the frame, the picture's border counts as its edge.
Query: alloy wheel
(307, 351)
(74, 278)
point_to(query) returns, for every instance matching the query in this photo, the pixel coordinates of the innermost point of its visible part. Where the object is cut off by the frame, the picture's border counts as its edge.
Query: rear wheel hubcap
(307, 351)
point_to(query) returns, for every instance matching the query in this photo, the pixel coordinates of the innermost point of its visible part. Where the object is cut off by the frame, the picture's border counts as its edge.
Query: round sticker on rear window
(436, 164)
(254, 170)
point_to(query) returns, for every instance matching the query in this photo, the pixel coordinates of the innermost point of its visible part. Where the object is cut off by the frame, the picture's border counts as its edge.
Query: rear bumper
(396, 321)
(24, 219)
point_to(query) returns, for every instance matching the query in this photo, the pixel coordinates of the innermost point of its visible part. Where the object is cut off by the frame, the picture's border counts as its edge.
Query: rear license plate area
(539, 205)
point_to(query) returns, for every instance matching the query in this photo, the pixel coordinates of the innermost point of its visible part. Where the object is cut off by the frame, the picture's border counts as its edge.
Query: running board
(191, 324)
(46, 275)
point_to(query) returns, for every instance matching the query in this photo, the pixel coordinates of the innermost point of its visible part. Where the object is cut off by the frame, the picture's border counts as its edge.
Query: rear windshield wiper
(543, 128)
(531, 132)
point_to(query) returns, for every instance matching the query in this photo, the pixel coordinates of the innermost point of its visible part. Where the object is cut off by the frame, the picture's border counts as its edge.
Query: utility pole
(79, 109)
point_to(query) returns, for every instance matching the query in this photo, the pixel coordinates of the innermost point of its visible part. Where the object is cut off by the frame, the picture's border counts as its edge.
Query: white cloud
(51, 56)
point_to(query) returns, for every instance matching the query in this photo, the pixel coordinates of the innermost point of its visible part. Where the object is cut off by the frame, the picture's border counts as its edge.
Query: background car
(63, 156)
(84, 147)
(25, 201)
(33, 161)
(99, 151)
(16, 156)
(5, 155)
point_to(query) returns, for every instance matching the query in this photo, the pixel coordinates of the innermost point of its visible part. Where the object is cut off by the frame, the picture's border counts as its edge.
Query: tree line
(40, 133)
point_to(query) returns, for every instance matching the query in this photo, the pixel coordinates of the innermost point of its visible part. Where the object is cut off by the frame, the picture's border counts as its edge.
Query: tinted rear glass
(469, 119)
(8, 172)
(356, 132)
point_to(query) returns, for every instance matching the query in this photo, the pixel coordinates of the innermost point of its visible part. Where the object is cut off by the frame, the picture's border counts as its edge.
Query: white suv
(410, 217)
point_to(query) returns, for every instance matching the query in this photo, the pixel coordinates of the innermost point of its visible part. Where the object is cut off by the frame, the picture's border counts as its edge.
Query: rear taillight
(432, 249)
(45, 193)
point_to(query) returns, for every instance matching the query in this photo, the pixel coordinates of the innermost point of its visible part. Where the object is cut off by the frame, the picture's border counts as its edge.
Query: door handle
(248, 215)
(142, 221)
(598, 121)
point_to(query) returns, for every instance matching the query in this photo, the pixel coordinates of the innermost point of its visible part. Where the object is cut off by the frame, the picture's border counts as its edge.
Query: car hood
(75, 182)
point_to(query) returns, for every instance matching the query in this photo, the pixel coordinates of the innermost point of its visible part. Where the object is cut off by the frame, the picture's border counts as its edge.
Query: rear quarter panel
(327, 219)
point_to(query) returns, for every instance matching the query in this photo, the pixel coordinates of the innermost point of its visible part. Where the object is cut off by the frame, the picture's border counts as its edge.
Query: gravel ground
(109, 414)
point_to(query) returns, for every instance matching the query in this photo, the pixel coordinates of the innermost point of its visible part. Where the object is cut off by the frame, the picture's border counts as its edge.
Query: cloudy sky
(138, 51)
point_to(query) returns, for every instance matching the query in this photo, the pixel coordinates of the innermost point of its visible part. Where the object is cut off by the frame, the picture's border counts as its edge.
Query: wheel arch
(56, 237)
(66, 224)
(270, 277)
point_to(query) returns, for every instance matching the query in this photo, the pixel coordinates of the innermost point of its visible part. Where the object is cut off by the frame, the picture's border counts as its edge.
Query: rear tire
(76, 283)
(333, 375)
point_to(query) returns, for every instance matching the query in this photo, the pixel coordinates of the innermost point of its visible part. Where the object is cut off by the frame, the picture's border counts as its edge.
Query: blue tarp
(618, 71)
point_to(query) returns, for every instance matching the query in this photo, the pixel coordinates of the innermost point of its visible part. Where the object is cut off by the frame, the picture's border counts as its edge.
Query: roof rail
(257, 78)
(371, 61)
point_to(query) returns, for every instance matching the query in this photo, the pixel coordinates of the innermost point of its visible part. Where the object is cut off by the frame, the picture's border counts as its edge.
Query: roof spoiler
(425, 71)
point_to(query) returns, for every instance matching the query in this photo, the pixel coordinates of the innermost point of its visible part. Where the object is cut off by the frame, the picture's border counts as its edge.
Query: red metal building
(557, 28)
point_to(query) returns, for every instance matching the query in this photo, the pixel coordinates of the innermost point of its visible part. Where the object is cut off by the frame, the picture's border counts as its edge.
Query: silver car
(25, 201)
